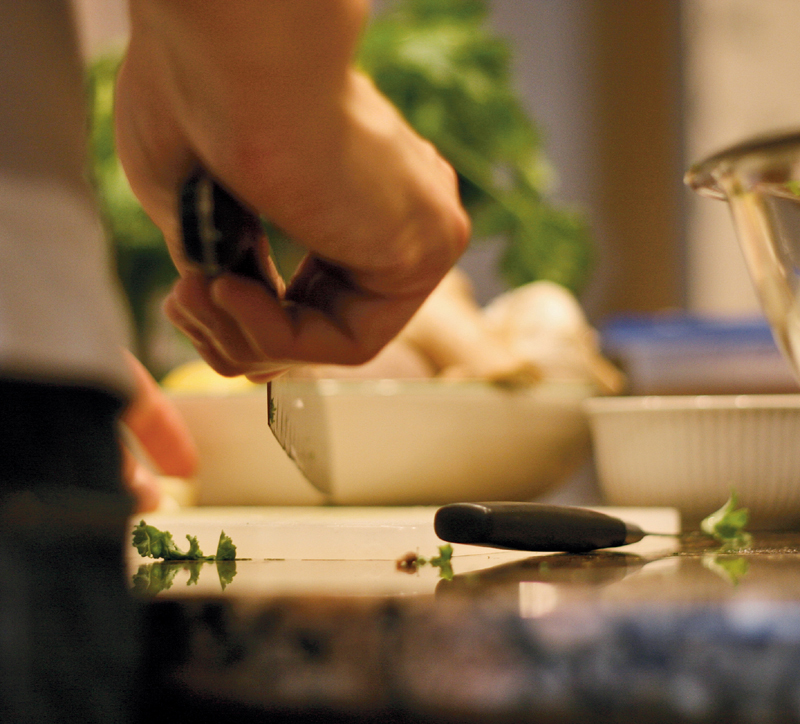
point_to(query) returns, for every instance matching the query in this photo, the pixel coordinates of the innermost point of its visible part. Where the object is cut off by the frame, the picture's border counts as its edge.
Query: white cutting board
(347, 550)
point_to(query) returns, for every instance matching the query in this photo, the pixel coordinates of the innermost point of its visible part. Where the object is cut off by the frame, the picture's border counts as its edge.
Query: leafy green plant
(449, 75)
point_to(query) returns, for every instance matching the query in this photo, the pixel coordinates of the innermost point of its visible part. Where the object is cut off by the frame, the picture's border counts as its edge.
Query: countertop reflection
(671, 629)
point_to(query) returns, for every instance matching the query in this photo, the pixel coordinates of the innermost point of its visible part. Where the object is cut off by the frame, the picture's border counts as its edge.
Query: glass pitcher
(760, 180)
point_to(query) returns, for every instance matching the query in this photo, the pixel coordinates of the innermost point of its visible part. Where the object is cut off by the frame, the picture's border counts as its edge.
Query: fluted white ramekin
(689, 452)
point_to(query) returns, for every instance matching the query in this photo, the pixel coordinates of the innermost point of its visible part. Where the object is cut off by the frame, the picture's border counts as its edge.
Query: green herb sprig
(728, 523)
(730, 568)
(411, 562)
(154, 543)
(152, 578)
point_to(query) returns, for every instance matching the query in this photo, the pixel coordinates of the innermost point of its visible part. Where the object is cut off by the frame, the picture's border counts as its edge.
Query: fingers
(141, 483)
(336, 323)
(158, 426)
(220, 339)
(213, 332)
(239, 328)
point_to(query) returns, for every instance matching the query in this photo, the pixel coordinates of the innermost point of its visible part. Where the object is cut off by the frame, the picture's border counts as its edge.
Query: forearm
(231, 85)
(241, 64)
(302, 37)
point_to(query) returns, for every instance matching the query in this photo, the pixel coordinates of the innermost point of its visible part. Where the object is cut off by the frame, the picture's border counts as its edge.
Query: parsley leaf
(152, 578)
(411, 562)
(730, 568)
(154, 543)
(728, 523)
(226, 570)
(226, 550)
(444, 562)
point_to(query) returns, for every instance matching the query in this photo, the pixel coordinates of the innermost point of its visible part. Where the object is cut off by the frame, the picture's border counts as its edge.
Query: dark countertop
(683, 634)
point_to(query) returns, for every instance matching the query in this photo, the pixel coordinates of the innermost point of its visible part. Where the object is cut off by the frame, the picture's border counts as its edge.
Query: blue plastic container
(674, 354)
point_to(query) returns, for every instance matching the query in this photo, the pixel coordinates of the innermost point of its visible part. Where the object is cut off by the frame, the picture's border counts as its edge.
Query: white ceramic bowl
(421, 442)
(689, 452)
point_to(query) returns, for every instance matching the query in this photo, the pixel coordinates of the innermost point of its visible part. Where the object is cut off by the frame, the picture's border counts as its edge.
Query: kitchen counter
(320, 623)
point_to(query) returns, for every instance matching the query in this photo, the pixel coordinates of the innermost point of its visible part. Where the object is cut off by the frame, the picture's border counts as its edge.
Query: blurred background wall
(627, 94)
(603, 79)
(741, 78)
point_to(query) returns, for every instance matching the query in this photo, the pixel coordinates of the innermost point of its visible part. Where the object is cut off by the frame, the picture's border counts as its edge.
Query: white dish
(689, 452)
(421, 442)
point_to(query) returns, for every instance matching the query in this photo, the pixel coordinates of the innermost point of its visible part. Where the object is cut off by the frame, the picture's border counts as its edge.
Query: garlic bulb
(450, 329)
(544, 323)
(536, 331)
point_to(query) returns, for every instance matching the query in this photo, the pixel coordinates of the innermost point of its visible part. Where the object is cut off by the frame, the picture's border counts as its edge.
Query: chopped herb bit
(728, 523)
(194, 571)
(411, 562)
(730, 568)
(794, 187)
(154, 543)
(152, 578)
(226, 550)
(444, 562)
(226, 570)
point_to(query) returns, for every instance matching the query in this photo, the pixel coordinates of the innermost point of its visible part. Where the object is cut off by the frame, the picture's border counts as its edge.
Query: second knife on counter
(533, 527)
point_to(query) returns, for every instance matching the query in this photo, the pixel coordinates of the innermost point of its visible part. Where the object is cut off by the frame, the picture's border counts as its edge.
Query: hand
(162, 435)
(264, 96)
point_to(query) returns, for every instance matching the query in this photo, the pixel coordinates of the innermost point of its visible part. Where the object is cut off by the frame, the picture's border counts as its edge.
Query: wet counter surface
(319, 622)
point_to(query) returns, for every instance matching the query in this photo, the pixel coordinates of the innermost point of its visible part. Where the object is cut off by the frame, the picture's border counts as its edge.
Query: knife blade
(533, 527)
(220, 234)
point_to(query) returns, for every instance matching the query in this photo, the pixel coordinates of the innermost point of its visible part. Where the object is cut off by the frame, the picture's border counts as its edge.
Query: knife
(220, 234)
(533, 527)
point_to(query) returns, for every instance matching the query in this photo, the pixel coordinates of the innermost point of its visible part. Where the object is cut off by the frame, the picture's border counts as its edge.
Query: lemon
(197, 376)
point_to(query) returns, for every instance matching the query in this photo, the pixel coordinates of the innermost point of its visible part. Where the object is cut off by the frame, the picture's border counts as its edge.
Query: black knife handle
(532, 527)
(219, 233)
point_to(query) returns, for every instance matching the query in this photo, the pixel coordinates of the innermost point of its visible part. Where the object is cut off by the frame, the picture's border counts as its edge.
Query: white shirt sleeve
(61, 312)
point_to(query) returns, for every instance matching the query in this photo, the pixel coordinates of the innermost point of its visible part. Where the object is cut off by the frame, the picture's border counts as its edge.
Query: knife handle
(532, 527)
(219, 233)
